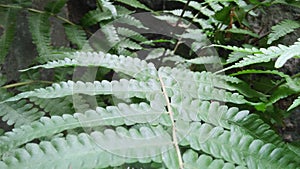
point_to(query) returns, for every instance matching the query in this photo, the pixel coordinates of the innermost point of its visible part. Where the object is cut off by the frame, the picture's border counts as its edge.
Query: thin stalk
(174, 137)
(24, 83)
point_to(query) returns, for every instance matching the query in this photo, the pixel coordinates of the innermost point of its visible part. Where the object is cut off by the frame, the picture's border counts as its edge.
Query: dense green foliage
(195, 106)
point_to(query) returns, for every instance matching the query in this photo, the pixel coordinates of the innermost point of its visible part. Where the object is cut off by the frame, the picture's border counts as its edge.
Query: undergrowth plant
(106, 107)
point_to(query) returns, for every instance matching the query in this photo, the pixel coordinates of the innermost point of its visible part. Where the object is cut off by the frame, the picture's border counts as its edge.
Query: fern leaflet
(295, 104)
(283, 28)
(8, 23)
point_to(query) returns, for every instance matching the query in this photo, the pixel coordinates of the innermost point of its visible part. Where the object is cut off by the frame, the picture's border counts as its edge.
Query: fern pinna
(178, 122)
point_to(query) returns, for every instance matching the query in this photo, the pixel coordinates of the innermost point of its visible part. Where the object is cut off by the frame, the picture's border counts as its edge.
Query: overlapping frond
(19, 113)
(76, 35)
(8, 24)
(238, 148)
(192, 160)
(125, 88)
(39, 26)
(281, 29)
(93, 151)
(134, 67)
(264, 55)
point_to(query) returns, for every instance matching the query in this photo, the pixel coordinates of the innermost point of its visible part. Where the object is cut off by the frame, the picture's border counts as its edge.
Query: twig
(175, 141)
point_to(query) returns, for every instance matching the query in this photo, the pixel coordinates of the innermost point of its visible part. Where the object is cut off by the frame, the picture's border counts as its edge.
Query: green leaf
(123, 87)
(95, 16)
(19, 113)
(205, 60)
(295, 104)
(55, 6)
(134, 3)
(281, 29)
(192, 160)
(291, 52)
(108, 5)
(76, 35)
(8, 24)
(261, 56)
(39, 26)
(134, 67)
(238, 148)
(93, 151)
(125, 32)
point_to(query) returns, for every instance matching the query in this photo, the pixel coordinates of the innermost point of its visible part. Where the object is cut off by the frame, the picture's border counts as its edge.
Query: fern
(135, 4)
(86, 152)
(283, 28)
(295, 104)
(208, 138)
(125, 32)
(265, 55)
(76, 35)
(256, 127)
(55, 6)
(138, 68)
(151, 117)
(192, 159)
(40, 29)
(108, 5)
(20, 113)
(96, 16)
(205, 60)
(8, 24)
(138, 89)
(292, 51)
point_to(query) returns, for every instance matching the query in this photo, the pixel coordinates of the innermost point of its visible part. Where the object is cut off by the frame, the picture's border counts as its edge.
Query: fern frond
(252, 50)
(134, 3)
(199, 86)
(134, 67)
(171, 19)
(192, 160)
(292, 51)
(19, 113)
(238, 148)
(130, 20)
(205, 24)
(189, 109)
(125, 32)
(255, 71)
(76, 35)
(177, 12)
(129, 44)
(281, 92)
(122, 114)
(90, 151)
(57, 106)
(124, 87)
(295, 104)
(258, 129)
(264, 55)
(205, 60)
(55, 6)
(39, 26)
(95, 16)
(111, 34)
(281, 29)
(9, 25)
(44, 127)
(108, 5)
(215, 5)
